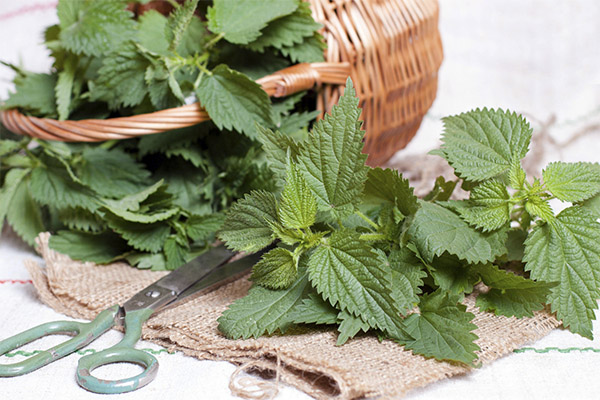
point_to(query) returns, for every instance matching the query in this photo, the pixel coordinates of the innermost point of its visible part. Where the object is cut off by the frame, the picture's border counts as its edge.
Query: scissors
(201, 273)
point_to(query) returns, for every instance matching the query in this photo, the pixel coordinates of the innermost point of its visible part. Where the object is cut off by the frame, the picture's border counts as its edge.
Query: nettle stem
(367, 219)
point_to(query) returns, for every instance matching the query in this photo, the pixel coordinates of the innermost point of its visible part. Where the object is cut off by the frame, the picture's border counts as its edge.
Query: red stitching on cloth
(13, 281)
(27, 9)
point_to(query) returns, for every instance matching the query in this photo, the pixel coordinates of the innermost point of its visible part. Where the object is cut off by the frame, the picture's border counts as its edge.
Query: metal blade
(169, 287)
(224, 274)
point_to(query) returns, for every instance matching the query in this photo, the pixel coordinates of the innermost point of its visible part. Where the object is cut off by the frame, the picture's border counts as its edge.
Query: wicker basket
(390, 48)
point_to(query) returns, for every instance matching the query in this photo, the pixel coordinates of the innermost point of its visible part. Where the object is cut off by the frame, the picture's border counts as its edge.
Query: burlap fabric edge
(307, 359)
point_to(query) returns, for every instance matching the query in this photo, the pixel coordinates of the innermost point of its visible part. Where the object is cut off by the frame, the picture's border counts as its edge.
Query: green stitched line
(81, 352)
(557, 349)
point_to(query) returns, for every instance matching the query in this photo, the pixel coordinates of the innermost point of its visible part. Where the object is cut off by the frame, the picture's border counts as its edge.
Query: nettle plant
(357, 250)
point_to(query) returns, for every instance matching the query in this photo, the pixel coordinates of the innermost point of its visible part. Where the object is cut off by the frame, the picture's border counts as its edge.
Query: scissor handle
(86, 332)
(121, 352)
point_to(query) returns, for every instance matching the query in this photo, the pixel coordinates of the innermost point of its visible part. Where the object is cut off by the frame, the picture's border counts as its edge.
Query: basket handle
(281, 83)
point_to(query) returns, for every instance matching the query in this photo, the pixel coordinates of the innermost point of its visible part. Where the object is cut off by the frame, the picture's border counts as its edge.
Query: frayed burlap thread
(305, 358)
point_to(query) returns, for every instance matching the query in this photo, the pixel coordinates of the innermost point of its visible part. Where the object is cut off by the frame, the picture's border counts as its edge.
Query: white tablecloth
(537, 57)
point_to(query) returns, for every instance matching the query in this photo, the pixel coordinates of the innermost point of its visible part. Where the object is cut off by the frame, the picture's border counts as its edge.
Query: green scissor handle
(121, 352)
(86, 332)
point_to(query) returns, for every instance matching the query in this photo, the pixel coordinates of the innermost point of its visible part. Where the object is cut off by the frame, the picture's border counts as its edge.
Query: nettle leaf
(276, 146)
(263, 310)
(516, 175)
(348, 273)
(64, 87)
(510, 294)
(277, 269)
(240, 21)
(332, 161)
(202, 227)
(314, 310)
(298, 206)
(35, 94)
(179, 21)
(572, 182)
(152, 32)
(482, 144)
(144, 237)
(388, 186)
(452, 274)
(287, 31)
(539, 207)
(593, 205)
(407, 278)
(175, 253)
(93, 27)
(132, 202)
(488, 207)
(248, 222)
(101, 248)
(154, 262)
(51, 185)
(9, 146)
(112, 173)
(12, 180)
(442, 190)
(309, 51)
(234, 101)
(442, 330)
(436, 230)
(23, 214)
(350, 325)
(121, 80)
(80, 219)
(567, 250)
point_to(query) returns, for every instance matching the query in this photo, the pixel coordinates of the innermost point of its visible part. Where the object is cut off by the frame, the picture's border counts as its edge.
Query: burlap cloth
(307, 358)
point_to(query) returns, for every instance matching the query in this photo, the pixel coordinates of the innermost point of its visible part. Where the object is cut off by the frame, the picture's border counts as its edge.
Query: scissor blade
(169, 287)
(224, 274)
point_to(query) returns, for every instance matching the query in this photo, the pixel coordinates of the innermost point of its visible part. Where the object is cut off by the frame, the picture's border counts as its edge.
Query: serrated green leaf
(143, 237)
(515, 244)
(388, 186)
(442, 330)
(51, 185)
(179, 21)
(81, 220)
(12, 180)
(436, 229)
(314, 310)
(34, 93)
(452, 274)
(240, 21)
(263, 310)
(297, 206)
(121, 80)
(148, 217)
(350, 325)
(101, 248)
(234, 101)
(593, 205)
(112, 173)
(348, 273)
(24, 215)
(331, 160)
(175, 253)
(194, 155)
(510, 294)
(516, 175)
(277, 269)
(9, 146)
(309, 51)
(488, 207)
(64, 87)
(567, 250)
(132, 202)
(482, 144)
(276, 146)
(537, 206)
(287, 31)
(201, 227)
(572, 182)
(247, 223)
(93, 27)
(407, 279)
(152, 32)
(177, 138)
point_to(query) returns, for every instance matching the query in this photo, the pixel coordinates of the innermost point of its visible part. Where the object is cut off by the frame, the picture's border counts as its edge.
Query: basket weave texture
(390, 48)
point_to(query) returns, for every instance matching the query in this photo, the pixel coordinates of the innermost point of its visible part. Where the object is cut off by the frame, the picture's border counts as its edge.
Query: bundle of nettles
(354, 248)
(155, 201)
